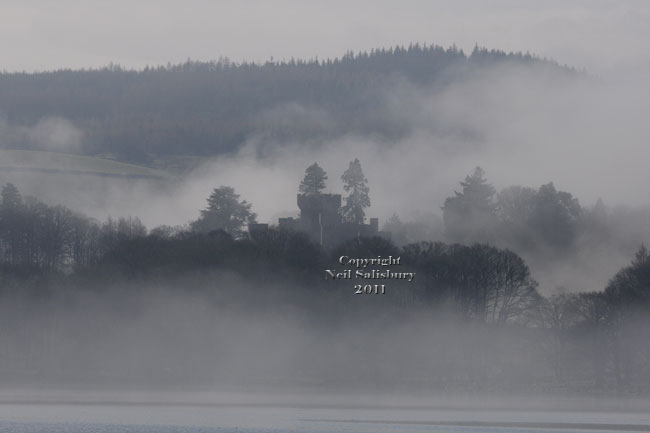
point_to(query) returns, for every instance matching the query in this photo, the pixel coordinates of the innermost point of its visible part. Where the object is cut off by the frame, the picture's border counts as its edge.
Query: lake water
(57, 412)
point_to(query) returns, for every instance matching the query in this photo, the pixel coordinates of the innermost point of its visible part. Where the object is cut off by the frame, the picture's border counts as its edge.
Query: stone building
(320, 218)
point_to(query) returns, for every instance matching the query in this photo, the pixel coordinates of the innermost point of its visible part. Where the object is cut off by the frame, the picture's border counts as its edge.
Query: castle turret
(319, 214)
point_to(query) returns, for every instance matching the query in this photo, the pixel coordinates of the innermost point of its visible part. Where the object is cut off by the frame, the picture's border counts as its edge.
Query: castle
(320, 218)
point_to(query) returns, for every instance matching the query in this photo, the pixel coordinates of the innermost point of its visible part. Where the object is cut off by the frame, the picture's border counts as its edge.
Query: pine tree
(225, 212)
(11, 197)
(470, 216)
(478, 192)
(314, 181)
(356, 184)
(13, 223)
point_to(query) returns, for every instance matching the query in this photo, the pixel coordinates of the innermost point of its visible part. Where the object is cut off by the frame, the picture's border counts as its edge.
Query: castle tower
(319, 215)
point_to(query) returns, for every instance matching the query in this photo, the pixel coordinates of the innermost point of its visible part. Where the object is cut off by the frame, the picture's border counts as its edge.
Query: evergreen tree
(356, 184)
(11, 197)
(314, 181)
(555, 215)
(13, 224)
(225, 212)
(470, 216)
(631, 285)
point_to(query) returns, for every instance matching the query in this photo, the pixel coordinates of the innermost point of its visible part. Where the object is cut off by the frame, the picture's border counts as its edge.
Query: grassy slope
(36, 160)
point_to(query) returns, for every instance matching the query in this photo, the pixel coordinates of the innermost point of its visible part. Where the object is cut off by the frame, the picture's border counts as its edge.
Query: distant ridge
(213, 108)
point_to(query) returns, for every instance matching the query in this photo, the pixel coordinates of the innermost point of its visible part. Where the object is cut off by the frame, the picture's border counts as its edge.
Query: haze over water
(71, 412)
(514, 187)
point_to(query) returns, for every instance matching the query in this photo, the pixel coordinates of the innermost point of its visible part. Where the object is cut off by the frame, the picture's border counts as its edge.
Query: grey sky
(603, 36)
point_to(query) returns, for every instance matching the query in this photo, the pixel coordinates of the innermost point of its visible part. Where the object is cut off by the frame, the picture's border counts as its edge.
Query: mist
(55, 134)
(91, 300)
(524, 124)
(519, 124)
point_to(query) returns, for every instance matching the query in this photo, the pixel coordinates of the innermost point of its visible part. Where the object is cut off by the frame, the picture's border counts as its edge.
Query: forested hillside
(108, 303)
(212, 108)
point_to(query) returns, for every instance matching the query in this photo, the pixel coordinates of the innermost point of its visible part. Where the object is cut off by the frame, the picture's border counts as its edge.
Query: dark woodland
(212, 108)
(73, 289)
(54, 258)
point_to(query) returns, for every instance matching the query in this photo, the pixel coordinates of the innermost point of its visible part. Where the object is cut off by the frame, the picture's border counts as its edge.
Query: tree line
(594, 337)
(212, 108)
(55, 238)
(543, 221)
